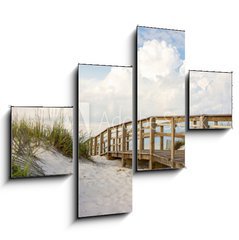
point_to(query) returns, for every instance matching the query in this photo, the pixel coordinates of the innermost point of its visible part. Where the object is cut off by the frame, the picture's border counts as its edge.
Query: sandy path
(105, 187)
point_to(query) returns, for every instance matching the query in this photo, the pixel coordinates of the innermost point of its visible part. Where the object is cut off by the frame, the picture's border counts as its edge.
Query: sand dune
(53, 163)
(105, 187)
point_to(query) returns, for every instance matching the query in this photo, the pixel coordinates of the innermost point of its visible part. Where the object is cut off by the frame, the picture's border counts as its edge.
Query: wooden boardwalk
(210, 121)
(116, 143)
(157, 140)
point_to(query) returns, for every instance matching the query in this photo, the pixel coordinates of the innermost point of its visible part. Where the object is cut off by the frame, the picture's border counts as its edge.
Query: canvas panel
(41, 141)
(105, 140)
(161, 98)
(210, 100)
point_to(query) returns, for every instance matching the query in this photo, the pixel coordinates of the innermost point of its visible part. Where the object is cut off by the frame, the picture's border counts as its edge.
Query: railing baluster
(123, 144)
(152, 141)
(161, 138)
(108, 142)
(172, 139)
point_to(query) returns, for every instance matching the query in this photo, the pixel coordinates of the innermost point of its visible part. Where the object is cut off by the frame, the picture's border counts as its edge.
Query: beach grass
(83, 147)
(179, 144)
(29, 136)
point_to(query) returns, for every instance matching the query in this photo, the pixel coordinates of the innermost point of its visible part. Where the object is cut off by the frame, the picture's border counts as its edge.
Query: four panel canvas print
(161, 98)
(42, 137)
(41, 141)
(210, 100)
(105, 140)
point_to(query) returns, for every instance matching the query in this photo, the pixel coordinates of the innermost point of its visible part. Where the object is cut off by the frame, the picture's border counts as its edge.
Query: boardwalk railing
(157, 153)
(116, 142)
(159, 139)
(211, 121)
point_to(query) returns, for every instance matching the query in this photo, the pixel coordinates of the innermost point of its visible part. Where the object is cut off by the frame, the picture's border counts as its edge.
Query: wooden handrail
(202, 121)
(116, 139)
(114, 142)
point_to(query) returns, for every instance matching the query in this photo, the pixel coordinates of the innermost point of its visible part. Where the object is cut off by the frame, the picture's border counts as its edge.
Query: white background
(41, 43)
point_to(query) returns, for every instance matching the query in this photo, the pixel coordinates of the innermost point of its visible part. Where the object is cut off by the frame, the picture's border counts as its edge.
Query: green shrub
(178, 144)
(83, 146)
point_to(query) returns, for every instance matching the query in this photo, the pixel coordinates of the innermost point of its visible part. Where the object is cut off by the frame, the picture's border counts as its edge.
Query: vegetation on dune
(28, 137)
(178, 144)
(83, 147)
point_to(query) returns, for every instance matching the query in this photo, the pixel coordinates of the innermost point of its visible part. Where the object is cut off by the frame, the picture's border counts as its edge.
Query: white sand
(104, 187)
(53, 162)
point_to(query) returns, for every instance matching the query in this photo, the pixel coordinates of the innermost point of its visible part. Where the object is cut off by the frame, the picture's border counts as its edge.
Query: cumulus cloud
(210, 93)
(161, 80)
(109, 99)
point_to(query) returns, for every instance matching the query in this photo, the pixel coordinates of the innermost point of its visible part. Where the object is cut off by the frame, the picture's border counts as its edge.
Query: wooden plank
(172, 139)
(101, 143)
(141, 139)
(203, 122)
(117, 140)
(108, 142)
(151, 142)
(95, 145)
(158, 134)
(123, 144)
(161, 137)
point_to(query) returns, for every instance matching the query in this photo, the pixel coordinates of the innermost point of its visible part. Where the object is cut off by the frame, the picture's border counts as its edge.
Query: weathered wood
(114, 142)
(151, 141)
(161, 138)
(141, 139)
(101, 143)
(117, 140)
(158, 134)
(172, 139)
(108, 142)
(95, 145)
(123, 144)
(201, 121)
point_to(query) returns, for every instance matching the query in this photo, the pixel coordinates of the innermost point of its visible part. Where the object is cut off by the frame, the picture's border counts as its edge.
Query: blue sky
(96, 72)
(172, 37)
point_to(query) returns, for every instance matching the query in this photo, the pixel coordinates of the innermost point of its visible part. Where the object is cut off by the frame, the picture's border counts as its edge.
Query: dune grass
(179, 144)
(83, 147)
(28, 136)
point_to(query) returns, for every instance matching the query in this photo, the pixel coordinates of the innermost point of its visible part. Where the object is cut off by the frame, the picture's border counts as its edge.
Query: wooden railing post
(203, 122)
(161, 137)
(151, 141)
(95, 145)
(116, 140)
(123, 144)
(108, 142)
(195, 123)
(141, 138)
(113, 143)
(101, 144)
(91, 146)
(172, 139)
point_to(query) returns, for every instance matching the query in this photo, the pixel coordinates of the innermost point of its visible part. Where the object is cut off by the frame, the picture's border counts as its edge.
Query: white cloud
(110, 99)
(210, 93)
(161, 80)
